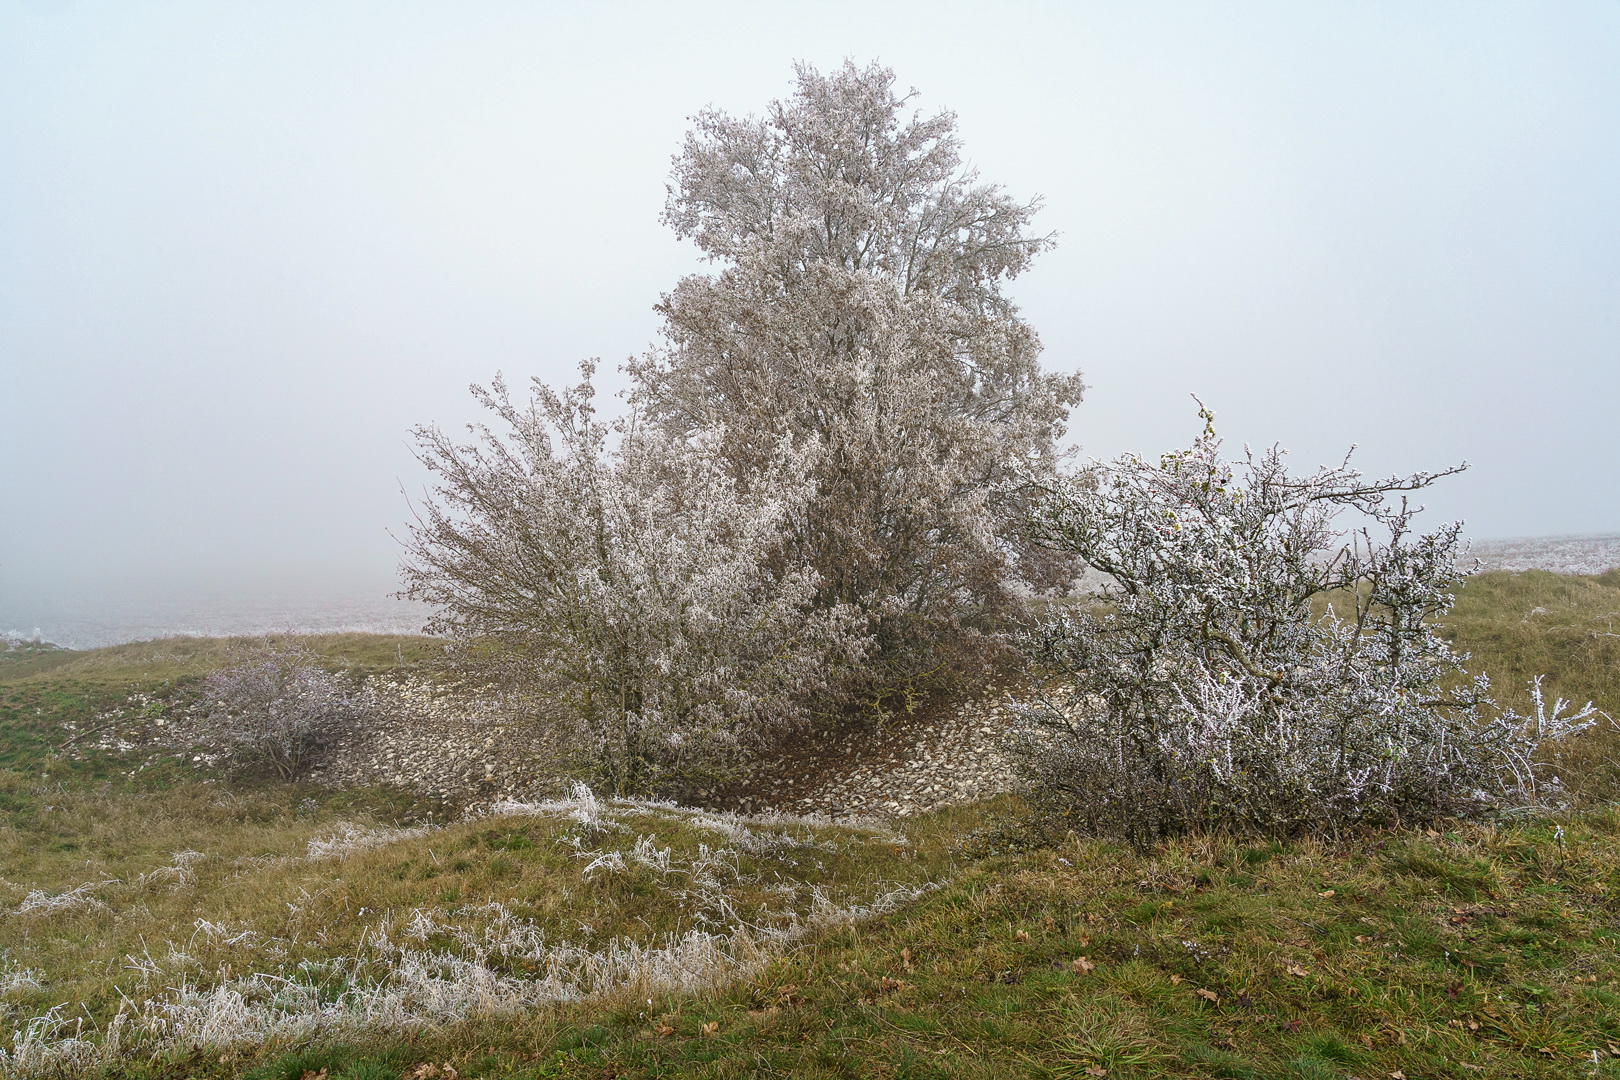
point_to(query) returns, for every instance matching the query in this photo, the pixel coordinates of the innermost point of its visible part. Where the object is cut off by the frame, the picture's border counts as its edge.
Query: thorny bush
(1253, 667)
(276, 708)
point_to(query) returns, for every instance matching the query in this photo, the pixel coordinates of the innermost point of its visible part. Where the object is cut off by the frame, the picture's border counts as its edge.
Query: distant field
(1565, 627)
(111, 621)
(1593, 554)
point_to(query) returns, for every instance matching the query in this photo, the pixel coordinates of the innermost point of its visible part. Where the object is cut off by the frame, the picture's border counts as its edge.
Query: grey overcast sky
(245, 246)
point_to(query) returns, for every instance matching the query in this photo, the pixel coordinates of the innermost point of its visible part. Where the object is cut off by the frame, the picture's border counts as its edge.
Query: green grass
(53, 699)
(1479, 950)
(168, 660)
(271, 906)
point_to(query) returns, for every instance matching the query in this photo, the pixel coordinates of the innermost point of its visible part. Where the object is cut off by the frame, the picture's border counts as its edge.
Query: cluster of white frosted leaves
(621, 581)
(859, 309)
(1252, 665)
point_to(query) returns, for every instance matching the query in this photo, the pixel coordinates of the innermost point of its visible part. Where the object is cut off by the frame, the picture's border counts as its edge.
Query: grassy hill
(275, 931)
(1566, 627)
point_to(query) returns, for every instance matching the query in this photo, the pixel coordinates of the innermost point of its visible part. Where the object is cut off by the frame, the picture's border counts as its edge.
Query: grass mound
(275, 931)
(1477, 952)
(264, 925)
(1480, 952)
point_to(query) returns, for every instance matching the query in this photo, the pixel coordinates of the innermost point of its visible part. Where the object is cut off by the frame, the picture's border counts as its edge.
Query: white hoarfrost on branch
(619, 580)
(276, 708)
(859, 308)
(807, 507)
(1253, 666)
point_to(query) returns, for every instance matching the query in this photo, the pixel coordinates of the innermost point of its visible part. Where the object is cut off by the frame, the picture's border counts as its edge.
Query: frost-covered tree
(1254, 667)
(618, 582)
(859, 307)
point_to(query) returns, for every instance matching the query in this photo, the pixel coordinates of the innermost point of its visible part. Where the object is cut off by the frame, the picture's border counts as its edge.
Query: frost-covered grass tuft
(351, 838)
(38, 901)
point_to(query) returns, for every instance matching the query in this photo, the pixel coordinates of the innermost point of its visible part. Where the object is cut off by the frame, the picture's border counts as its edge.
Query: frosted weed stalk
(351, 838)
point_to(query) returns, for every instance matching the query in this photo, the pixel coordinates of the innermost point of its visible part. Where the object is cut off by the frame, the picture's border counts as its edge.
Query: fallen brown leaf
(1327, 894)
(663, 1031)
(1363, 939)
(1397, 1075)
(311, 1074)
(1297, 971)
(1096, 1070)
(1082, 966)
(905, 959)
(1022, 935)
(1210, 996)
(1175, 980)
(710, 1028)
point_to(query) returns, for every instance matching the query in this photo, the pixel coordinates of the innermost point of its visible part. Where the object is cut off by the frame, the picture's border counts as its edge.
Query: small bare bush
(275, 708)
(1254, 667)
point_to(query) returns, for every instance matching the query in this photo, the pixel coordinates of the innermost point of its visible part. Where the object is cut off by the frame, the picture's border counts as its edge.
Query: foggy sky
(245, 247)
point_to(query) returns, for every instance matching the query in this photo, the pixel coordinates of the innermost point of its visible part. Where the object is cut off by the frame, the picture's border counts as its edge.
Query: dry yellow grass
(1566, 627)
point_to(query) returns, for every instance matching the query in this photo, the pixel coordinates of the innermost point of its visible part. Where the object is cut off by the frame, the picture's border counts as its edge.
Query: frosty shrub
(859, 305)
(1253, 666)
(275, 708)
(619, 582)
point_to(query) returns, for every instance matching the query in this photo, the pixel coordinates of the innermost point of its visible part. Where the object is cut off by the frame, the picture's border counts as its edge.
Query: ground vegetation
(1462, 949)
